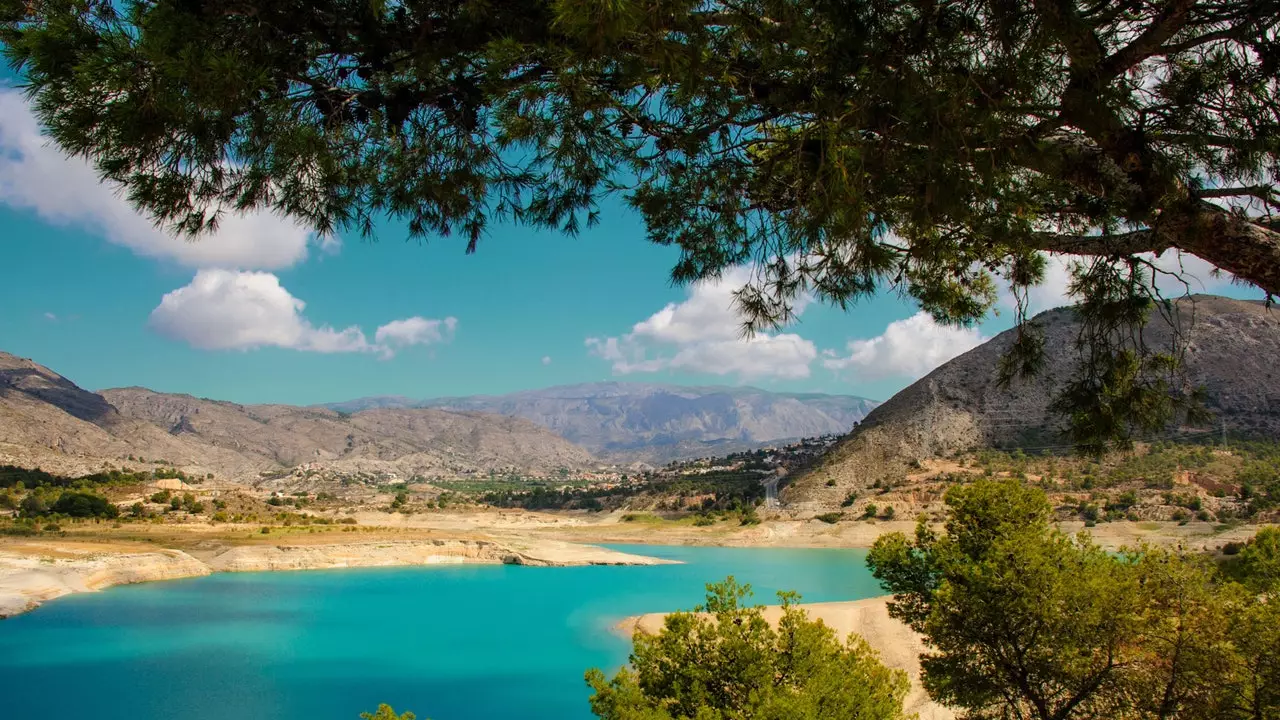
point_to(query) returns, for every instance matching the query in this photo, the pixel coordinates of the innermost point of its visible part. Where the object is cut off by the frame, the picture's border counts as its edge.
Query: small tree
(386, 713)
(1024, 621)
(730, 663)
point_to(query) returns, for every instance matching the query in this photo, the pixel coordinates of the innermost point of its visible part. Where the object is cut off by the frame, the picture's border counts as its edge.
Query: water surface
(484, 642)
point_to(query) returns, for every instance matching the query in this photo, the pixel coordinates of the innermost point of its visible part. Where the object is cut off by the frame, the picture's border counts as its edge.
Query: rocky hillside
(47, 421)
(657, 423)
(1230, 349)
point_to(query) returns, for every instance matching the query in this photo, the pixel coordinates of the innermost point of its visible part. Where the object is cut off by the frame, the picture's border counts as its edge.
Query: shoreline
(36, 572)
(897, 645)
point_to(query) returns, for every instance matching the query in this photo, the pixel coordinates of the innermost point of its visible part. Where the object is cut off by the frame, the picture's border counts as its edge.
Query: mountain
(657, 423)
(1231, 347)
(48, 421)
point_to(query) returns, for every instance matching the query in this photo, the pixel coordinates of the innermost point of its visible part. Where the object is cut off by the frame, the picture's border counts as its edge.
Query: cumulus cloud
(1180, 273)
(232, 310)
(908, 348)
(546, 359)
(703, 334)
(416, 330)
(35, 175)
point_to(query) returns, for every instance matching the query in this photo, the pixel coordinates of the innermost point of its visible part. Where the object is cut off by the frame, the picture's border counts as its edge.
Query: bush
(84, 505)
(729, 665)
(870, 511)
(888, 513)
(265, 530)
(704, 521)
(849, 499)
(831, 482)
(830, 518)
(161, 497)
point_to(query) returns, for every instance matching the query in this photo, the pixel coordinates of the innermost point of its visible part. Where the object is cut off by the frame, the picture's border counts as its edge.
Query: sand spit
(898, 645)
(33, 573)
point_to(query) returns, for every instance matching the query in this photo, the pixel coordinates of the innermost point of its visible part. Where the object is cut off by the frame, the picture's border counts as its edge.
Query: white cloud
(546, 359)
(35, 175)
(907, 348)
(229, 310)
(1199, 277)
(51, 317)
(703, 334)
(416, 330)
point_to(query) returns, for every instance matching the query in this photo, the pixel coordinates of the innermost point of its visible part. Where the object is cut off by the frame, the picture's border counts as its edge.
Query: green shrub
(888, 513)
(849, 499)
(830, 518)
(870, 511)
(84, 505)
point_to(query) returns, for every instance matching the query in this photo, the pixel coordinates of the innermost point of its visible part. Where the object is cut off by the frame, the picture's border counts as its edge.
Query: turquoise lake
(449, 643)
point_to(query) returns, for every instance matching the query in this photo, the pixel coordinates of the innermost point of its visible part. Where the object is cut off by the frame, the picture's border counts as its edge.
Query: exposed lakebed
(470, 642)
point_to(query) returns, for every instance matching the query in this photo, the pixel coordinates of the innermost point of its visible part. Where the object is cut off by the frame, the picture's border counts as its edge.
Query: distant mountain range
(47, 421)
(625, 422)
(1231, 347)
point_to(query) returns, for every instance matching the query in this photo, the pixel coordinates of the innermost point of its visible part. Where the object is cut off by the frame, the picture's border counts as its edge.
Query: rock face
(657, 423)
(27, 580)
(47, 421)
(1230, 350)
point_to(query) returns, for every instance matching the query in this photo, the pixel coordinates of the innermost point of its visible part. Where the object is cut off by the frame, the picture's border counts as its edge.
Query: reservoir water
(447, 642)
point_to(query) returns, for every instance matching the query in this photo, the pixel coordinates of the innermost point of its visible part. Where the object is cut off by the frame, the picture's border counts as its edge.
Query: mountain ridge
(657, 422)
(1229, 349)
(48, 421)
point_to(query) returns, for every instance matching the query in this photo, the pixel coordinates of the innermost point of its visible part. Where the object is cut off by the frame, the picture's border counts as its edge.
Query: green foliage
(1025, 621)
(919, 147)
(1257, 564)
(830, 518)
(731, 664)
(849, 499)
(84, 505)
(161, 497)
(32, 505)
(386, 713)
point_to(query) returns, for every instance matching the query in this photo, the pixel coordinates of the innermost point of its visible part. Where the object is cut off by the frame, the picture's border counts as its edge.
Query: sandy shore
(898, 646)
(778, 531)
(34, 572)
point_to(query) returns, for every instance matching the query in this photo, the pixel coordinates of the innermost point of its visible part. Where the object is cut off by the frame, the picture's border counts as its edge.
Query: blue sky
(263, 312)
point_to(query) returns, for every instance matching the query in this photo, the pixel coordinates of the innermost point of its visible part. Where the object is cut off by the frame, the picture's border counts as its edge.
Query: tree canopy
(929, 147)
(1023, 621)
(731, 664)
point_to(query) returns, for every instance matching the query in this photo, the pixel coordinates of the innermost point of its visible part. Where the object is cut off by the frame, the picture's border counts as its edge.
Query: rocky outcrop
(33, 573)
(1228, 349)
(254, 558)
(37, 575)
